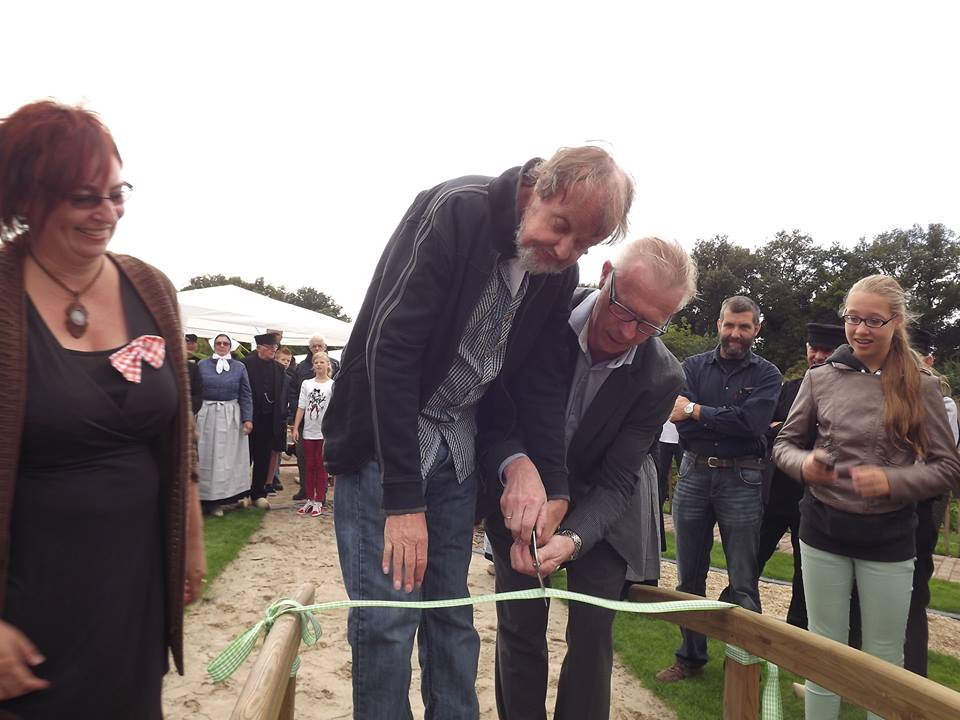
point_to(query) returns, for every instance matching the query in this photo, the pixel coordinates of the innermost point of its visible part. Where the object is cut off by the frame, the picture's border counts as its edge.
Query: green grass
(944, 595)
(646, 645)
(223, 537)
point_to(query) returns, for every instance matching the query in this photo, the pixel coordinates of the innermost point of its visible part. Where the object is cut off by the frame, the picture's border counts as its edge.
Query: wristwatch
(577, 542)
(688, 409)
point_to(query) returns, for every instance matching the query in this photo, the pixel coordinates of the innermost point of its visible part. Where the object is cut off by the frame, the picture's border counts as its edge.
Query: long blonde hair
(903, 413)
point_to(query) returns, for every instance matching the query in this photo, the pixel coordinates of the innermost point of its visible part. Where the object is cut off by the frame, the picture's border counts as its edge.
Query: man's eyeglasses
(625, 314)
(873, 322)
(89, 201)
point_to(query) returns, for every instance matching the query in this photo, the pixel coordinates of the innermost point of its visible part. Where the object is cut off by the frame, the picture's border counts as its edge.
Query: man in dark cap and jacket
(782, 510)
(196, 394)
(269, 414)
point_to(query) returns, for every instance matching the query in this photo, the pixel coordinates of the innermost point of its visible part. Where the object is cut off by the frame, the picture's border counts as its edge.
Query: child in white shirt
(314, 398)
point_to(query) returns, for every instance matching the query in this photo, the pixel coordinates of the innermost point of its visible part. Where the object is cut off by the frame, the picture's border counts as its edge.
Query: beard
(735, 350)
(535, 261)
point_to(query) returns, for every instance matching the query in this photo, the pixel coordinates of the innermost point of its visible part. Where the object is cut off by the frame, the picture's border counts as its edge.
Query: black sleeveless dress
(86, 581)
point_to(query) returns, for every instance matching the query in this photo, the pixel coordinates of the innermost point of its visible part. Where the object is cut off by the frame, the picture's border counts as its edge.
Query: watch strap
(577, 541)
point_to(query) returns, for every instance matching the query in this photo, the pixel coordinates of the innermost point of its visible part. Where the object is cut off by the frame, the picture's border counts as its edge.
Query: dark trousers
(775, 523)
(583, 692)
(261, 449)
(917, 637)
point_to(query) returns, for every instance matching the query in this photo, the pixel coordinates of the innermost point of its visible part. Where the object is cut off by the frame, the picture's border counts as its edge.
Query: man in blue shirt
(722, 417)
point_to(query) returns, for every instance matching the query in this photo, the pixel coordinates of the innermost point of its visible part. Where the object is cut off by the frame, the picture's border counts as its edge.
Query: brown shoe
(678, 671)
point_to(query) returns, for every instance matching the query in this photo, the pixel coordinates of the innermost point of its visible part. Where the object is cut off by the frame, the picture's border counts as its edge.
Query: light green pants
(884, 589)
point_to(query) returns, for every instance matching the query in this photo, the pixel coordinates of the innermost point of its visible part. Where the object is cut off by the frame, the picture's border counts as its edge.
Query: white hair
(317, 339)
(667, 260)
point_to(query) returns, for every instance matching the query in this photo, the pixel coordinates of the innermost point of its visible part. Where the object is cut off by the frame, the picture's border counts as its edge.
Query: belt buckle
(713, 462)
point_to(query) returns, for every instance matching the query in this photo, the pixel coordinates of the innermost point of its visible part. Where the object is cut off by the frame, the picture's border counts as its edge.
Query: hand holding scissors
(536, 563)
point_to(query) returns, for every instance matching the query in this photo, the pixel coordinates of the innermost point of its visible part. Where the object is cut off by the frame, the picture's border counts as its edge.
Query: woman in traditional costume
(223, 424)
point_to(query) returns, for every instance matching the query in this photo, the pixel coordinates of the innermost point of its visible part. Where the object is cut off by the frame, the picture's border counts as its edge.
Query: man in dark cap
(929, 516)
(269, 414)
(193, 374)
(782, 510)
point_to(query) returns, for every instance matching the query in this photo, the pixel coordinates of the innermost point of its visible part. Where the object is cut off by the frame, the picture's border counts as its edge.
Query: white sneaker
(217, 511)
(305, 508)
(243, 502)
(262, 503)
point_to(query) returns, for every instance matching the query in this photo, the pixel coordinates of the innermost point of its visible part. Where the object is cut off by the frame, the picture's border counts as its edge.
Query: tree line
(795, 281)
(306, 297)
(791, 278)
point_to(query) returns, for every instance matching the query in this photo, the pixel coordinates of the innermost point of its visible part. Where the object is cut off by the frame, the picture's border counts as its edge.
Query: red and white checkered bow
(127, 360)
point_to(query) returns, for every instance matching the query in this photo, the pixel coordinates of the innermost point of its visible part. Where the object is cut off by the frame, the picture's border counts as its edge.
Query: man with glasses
(722, 417)
(621, 386)
(269, 414)
(459, 334)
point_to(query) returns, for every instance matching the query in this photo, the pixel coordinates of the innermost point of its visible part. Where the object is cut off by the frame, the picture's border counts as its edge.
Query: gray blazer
(606, 453)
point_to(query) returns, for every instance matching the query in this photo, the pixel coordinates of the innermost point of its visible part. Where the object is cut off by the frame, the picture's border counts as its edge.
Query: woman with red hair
(102, 535)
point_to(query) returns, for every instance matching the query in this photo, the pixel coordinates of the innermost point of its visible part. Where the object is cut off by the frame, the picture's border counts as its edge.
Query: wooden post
(946, 528)
(287, 708)
(741, 690)
(269, 681)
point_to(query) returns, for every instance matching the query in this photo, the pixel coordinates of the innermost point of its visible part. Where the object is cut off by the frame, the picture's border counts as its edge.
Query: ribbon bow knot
(224, 665)
(128, 360)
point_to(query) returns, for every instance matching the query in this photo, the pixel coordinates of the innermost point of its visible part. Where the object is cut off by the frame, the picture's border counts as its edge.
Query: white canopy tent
(241, 314)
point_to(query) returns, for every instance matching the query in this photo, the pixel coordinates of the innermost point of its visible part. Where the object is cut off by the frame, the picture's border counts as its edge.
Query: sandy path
(289, 550)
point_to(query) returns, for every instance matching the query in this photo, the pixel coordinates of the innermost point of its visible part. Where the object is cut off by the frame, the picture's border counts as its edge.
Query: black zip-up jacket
(403, 342)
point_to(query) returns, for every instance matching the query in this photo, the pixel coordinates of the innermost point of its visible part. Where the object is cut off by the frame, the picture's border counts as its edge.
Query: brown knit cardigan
(160, 297)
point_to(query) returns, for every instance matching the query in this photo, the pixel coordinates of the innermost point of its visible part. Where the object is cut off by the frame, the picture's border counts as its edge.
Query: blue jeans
(382, 638)
(731, 498)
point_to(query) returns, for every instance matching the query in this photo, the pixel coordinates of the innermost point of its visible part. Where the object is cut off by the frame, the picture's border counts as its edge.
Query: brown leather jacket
(160, 297)
(841, 409)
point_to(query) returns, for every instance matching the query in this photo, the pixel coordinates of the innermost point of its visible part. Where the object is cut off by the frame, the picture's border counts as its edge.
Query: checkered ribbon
(227, 662)
(224, 665)
(128, 359)
(771, 707)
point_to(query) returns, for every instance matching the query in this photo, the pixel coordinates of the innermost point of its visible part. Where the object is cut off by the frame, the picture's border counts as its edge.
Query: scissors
(536, 563)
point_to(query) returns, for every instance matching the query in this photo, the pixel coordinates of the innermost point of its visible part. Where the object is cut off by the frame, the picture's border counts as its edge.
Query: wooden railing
(871, 683)
(892, 692)
(268, 693)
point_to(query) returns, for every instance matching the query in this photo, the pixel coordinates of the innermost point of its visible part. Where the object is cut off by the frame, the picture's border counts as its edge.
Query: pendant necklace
(77, 316)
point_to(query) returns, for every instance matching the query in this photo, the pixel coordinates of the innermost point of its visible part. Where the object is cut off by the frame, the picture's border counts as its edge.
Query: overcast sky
(285, 140)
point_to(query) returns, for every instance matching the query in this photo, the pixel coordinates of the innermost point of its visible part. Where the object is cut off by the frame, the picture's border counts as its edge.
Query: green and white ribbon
(227, 662)
(771, 707)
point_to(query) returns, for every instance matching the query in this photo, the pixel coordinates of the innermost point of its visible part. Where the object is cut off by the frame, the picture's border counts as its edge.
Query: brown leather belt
(748, 462)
